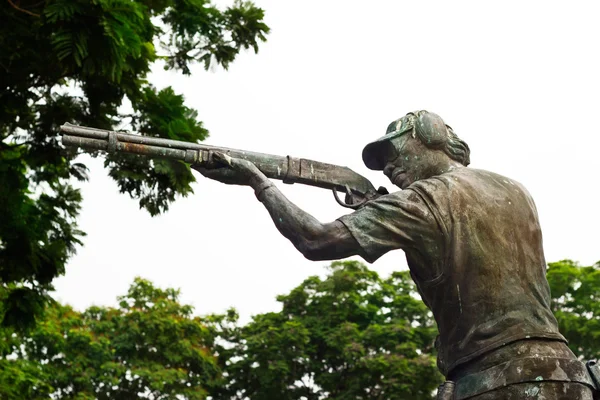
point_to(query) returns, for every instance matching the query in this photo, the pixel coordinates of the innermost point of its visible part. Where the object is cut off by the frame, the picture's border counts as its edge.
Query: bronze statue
(473, 244)
(474, 247)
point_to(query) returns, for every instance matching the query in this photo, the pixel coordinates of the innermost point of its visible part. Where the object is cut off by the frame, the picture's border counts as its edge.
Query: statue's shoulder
(484, 181)
(475, 174)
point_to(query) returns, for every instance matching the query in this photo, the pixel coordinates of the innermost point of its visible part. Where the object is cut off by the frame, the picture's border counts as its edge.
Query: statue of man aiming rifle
(472, 240)
(473, 244)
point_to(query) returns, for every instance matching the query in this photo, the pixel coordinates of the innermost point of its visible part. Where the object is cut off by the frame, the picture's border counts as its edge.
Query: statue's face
(407, 160)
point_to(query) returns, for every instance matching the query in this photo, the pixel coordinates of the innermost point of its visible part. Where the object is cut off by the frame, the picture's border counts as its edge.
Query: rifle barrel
(288, 169)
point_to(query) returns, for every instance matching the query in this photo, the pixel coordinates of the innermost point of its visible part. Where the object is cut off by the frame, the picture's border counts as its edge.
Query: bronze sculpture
(474, 248)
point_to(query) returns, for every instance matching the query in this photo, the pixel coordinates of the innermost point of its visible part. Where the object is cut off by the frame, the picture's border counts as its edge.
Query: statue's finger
(222, 158)
(207, 171)
(215, 173)
(223, 175)
(215, 160)
(198, 168)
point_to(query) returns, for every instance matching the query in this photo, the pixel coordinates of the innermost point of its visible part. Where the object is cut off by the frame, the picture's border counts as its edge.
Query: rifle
(289, 169)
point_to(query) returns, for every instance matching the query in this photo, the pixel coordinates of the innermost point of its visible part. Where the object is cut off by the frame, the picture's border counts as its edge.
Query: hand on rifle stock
(228, 170)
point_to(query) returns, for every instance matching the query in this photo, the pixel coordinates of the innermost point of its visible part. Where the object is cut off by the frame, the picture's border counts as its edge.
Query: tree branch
(16, 7)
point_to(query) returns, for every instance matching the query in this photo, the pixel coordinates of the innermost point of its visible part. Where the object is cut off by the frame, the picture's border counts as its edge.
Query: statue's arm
(391, 222)
(315, 240)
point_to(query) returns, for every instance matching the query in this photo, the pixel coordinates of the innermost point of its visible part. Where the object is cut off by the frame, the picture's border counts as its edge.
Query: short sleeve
(400, 220)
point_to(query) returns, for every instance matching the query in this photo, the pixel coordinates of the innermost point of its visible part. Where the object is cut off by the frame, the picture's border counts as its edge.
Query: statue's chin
(402, 181)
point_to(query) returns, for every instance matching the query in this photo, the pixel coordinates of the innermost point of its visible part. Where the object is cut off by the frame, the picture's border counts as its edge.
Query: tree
(80, 61)
(352, 335)
(576, 304)
(149, 347)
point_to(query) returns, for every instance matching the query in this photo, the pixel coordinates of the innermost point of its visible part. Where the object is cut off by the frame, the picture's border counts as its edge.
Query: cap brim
(373, 154)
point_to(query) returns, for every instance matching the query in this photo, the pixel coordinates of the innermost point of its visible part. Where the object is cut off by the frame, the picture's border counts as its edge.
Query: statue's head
(416, 146)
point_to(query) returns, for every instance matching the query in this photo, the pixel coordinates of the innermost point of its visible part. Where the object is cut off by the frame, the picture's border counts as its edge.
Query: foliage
(576, 305)
(149, 347)
(352, 335)
(80, 61)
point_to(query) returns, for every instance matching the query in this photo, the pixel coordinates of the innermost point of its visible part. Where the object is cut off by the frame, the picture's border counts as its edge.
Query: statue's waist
(519, 349)
(530, 360)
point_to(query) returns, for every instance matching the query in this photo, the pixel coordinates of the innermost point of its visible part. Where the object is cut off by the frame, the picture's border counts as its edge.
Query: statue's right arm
(315, 240)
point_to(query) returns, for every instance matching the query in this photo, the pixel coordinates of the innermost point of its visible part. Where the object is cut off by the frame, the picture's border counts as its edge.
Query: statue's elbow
(311, 251)
(313, 256)
(328, 242)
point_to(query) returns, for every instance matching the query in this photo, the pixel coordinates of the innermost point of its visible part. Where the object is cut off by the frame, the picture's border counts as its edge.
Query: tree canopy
(87, 62)
(151, 346)
(576, 304)
(351, 335)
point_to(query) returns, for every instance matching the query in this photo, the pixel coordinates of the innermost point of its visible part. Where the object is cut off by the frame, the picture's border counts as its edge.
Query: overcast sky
(517, 80)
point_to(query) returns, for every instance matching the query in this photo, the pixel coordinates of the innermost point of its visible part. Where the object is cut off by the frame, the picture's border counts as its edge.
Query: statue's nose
(389, 168)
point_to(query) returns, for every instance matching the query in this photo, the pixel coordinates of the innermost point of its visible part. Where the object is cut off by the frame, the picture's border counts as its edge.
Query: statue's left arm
(315, 240)
(399, 220)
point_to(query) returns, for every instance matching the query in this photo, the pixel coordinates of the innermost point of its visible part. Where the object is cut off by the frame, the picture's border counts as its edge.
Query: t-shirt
(473, 244)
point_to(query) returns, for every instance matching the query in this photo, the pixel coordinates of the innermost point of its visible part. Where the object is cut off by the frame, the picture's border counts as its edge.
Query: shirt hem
(502, 342)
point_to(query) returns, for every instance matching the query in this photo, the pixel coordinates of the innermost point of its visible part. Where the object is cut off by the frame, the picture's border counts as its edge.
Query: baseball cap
(428, 124)
(372, 154)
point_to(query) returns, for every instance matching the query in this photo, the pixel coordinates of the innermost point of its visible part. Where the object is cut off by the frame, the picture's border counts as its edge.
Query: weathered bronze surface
(473, 244)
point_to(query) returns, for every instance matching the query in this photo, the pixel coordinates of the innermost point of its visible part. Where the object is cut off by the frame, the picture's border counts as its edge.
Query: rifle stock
(288, 169)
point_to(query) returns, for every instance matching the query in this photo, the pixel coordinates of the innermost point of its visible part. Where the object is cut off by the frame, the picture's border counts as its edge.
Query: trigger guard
(346, 205)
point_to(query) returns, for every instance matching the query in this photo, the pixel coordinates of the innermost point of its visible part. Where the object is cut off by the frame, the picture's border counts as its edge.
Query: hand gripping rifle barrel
(289, 169)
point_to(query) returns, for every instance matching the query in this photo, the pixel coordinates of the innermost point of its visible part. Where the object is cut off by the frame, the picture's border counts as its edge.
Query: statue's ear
(431, 129)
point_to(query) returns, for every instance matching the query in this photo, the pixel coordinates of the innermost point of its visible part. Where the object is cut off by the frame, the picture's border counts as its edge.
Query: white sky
(518, 81)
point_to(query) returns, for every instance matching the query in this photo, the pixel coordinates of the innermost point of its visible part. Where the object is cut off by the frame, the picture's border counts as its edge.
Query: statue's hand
(232, 171)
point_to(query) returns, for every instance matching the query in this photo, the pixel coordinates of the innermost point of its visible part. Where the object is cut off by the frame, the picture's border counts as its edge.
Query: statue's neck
(443, 166)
